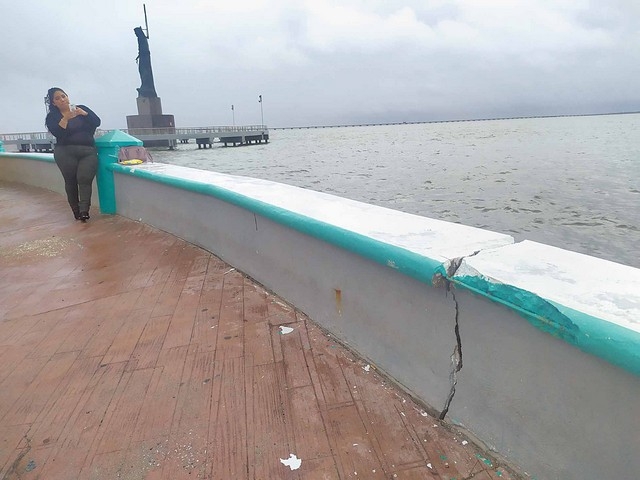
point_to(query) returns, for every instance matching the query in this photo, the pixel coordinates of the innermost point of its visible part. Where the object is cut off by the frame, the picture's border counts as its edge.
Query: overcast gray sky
(319, 62)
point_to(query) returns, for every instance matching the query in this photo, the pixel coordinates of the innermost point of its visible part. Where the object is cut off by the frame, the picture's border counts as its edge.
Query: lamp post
(261, 116)
(233, 115)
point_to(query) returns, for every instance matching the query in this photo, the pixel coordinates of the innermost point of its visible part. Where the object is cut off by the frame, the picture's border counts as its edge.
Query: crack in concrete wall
(456, 356)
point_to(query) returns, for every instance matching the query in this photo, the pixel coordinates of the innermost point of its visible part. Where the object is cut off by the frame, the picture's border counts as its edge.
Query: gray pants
(78, 164)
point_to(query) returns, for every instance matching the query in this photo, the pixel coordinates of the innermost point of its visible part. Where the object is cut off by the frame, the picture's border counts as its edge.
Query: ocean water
(571, 182)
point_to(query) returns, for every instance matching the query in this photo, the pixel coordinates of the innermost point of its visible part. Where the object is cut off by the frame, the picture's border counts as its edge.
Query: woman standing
(75, 150)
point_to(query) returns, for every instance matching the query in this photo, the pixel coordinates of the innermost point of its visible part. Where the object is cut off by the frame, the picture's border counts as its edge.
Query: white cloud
(342, 28)
(526, 26)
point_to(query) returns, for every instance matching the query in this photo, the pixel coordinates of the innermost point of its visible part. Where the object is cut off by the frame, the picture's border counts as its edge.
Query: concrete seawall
(532, 349)
(37, 169)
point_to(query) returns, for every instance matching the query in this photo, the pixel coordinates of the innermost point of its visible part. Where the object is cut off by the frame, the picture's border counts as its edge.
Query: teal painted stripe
(41, 157)
(610, 341)
(613, 343)
(409, 263)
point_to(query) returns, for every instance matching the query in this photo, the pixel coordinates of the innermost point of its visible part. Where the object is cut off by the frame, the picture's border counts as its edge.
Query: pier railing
(44, 141)
(9, 138)
(191, 131)
(46, 136)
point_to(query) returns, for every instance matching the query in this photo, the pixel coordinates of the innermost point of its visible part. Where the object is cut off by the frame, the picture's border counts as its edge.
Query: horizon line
(419, 122)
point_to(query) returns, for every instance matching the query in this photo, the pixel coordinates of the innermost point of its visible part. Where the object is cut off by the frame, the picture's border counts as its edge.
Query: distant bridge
(168, 136)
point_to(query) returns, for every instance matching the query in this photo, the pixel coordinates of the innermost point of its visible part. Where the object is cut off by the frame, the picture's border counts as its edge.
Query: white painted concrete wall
(548, 338)
(38, 170)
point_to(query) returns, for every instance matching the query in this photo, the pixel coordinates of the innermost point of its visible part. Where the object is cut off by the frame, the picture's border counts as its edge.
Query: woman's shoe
(76, 212)
(84, 216)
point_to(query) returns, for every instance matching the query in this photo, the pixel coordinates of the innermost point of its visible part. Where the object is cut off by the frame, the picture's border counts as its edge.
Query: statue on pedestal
(147, 89)
(150, 114)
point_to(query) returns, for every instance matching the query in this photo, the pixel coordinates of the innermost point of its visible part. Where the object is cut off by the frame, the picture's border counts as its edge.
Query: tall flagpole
(146, 24)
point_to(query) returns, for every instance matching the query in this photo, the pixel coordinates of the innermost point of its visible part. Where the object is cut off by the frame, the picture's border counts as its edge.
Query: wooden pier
(126, 352)
(205, 137)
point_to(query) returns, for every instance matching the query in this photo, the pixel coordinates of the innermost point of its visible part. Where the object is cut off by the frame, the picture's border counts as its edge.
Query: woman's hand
(69, 114)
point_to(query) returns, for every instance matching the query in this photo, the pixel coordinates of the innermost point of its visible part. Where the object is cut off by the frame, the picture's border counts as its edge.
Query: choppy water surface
(572, 182)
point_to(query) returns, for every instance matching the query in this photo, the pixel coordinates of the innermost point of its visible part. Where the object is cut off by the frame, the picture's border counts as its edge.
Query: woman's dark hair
(49, 98)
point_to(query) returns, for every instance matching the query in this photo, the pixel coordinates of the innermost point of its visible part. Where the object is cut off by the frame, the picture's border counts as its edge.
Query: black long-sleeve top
(79, 131)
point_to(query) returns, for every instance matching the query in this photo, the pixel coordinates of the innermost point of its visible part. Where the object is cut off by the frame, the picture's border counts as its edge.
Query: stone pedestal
(149, 106)
(150, 120)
